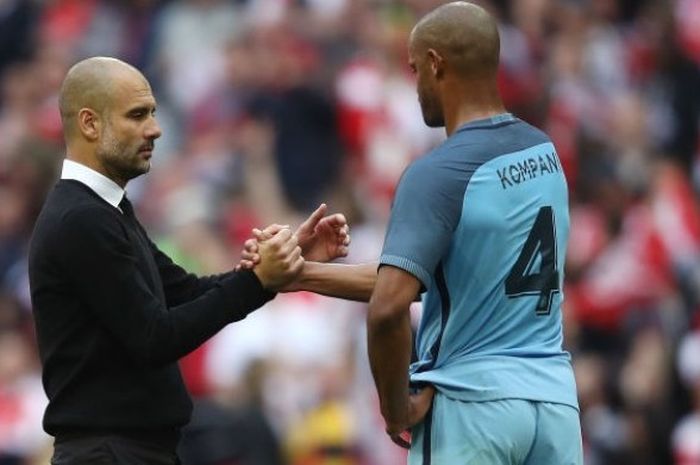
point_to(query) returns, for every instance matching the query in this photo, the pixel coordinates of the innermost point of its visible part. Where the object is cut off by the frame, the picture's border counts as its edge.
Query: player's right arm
(344, 281)
(327, 238)
(350, 282)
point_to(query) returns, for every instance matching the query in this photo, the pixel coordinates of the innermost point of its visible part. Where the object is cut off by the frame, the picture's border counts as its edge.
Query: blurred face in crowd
(421, 63)
(129, 129)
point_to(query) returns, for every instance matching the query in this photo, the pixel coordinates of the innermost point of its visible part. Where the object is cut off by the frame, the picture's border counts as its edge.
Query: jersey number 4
(526, 278)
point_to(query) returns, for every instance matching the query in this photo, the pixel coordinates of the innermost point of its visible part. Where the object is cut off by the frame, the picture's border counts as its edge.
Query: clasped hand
(320, 238)
(280, 259)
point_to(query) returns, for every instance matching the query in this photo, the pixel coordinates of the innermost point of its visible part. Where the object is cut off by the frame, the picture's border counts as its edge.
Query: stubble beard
(432, 117)
(433, 121)
(119, 161)
(430, 108)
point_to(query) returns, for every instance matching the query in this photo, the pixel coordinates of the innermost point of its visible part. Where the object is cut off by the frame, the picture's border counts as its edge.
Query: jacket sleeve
(179, 285)
(102, 266)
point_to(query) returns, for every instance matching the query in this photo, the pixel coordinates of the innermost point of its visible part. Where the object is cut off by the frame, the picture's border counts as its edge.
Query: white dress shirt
(99, 183)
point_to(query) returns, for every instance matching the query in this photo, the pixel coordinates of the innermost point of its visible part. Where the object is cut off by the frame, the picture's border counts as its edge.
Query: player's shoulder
(434, 178)
(487, 141)
(470, 147)
(430, 169)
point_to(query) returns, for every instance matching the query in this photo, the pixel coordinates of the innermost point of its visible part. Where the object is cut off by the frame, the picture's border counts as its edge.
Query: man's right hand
(280, 259)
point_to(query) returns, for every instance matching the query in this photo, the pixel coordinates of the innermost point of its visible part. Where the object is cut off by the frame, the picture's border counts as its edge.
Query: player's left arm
(389, 340)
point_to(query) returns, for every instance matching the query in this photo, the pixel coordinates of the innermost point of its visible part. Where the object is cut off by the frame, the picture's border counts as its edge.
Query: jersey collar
(494, 120)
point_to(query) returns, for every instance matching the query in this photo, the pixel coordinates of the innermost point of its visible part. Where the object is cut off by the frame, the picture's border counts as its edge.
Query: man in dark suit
(113, 313)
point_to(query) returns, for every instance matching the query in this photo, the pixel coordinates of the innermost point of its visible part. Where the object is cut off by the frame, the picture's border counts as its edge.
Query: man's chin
(144, 165)
(143, 168)
(434, 122)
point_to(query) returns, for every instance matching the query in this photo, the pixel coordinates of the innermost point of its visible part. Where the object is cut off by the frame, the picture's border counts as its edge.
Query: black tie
(126, 207)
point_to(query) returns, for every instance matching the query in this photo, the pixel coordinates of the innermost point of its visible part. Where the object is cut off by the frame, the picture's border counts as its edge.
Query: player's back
(491, 327)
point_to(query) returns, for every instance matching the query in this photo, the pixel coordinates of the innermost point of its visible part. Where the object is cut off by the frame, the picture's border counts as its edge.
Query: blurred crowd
(269, 107)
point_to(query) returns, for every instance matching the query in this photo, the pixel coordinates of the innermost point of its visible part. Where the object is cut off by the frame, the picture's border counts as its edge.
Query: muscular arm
(389, 341)
(351, 282)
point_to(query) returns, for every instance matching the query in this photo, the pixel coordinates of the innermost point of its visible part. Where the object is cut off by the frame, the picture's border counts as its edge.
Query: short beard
(432, 116)
(434, 121)
(111, 153)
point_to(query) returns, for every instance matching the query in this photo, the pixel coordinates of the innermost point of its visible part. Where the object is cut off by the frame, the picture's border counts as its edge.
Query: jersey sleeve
(425, 213)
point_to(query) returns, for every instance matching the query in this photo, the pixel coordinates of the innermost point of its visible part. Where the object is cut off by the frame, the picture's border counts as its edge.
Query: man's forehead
(134, 88)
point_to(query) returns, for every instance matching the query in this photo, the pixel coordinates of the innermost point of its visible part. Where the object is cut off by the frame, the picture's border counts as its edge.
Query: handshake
(277, 255)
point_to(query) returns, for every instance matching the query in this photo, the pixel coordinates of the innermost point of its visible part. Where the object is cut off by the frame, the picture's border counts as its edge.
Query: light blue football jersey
(483, 222)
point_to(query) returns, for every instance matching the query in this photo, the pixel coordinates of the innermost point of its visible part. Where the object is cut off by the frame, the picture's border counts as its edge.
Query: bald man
(480, 225)
(113, 313)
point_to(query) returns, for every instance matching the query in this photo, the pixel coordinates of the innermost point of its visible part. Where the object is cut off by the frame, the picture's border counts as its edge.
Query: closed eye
(141, 112)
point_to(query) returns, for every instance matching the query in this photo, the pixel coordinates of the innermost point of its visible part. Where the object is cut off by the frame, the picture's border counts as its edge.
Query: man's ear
(89, 123)
(436, 62)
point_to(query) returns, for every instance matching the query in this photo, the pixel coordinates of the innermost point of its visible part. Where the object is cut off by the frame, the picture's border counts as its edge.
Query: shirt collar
(488, 122)
(101, 184)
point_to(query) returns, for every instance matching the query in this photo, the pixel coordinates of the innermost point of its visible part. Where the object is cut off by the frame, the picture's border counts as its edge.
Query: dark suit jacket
(113, 314)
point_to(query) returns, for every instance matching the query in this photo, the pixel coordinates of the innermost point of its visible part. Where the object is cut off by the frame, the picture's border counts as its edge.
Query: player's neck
(471, 103)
